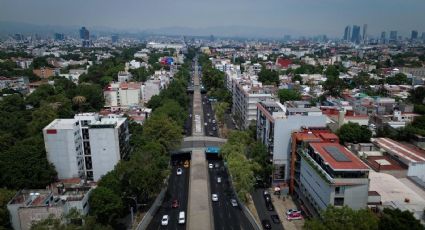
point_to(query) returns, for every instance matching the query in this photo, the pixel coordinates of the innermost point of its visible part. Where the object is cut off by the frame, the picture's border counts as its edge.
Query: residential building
(123, 95)
(125, 76)
(325, 173)
(46, 72)
(87, 146)
(275, 123)
(32, 205)
(74, 74)
(23, 63)
(20, 84)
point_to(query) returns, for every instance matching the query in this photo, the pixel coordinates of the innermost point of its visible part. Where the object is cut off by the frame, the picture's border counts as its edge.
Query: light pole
(131, 207)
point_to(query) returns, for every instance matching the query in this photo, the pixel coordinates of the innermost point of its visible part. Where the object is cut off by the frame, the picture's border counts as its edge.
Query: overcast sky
(307, 17)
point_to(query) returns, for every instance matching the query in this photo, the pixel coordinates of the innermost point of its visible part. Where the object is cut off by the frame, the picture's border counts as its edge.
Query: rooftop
(403, 151)
(61, 124)
(338, 157)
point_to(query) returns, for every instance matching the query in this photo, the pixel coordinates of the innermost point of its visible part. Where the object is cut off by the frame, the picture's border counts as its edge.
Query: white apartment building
(155, 84)
(275, 124)
(74, 74)
(123, 95)
(247, 92)
(87, 146)
(154, 45)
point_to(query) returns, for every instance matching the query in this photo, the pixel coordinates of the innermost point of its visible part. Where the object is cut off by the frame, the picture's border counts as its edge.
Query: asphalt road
(226, 217)
(209, 118)
(263, 213)
(188, 123)
(178, 187)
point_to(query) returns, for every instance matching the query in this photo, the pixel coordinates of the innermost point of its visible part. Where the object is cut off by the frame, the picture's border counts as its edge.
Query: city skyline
(288, 17)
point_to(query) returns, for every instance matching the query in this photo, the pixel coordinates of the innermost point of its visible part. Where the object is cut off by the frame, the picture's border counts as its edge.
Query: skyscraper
(423, 36)
(414, 35)
(355, 36)
(59, 37)
(383, 37)
(84, 33)
(364, 33)
(114, 38)
(393, 36)
(347, 33)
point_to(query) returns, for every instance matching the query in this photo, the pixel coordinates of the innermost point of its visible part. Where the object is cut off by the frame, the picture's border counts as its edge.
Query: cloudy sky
(305, 17)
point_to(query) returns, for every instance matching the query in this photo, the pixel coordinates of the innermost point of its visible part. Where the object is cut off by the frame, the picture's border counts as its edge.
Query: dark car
(268, 198)
(266, 224)
(175, 204)
(275, 219)
(270, 206)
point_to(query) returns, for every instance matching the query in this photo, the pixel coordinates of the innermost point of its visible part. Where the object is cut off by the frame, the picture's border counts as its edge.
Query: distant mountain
(7, 28)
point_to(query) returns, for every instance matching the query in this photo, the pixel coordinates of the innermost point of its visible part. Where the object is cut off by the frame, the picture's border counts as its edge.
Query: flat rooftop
(338, 157)
(28, 198)
(61, 124)
(403, 151)
(384, 163)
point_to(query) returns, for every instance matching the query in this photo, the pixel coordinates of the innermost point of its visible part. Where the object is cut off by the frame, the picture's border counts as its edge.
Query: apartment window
(339, 201)
(339, 190)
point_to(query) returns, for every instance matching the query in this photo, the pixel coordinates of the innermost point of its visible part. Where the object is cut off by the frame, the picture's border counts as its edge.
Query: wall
(417, 169)
(282, 137)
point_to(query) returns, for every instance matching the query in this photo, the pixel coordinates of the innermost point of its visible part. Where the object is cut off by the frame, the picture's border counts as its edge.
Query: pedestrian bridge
(201, 142)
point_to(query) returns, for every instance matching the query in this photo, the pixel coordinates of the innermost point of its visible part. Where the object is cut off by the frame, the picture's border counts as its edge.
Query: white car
(179, 171)
(164, 220)
(214, 197)
(292, 211)
(210, 166)
(234, 202)
(218, 179)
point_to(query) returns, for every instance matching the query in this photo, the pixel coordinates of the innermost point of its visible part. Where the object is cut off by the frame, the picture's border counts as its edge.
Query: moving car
(218, 179)
(175, 204)
(214, 197)
(234, 202)
(210, 166)
(186, 164)
(179, 171)
(290, 211)
(164, 220)
(268, 198)
(266, 224)
(182, 218)
(269, 206)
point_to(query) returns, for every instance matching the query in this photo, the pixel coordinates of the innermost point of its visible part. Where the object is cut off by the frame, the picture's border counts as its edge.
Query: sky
(298, 17)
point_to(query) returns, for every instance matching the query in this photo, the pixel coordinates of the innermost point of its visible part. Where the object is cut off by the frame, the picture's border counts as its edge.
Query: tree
(105, 205)
(163, 130)
(298, 78)
(288, 95)
(398, 79)
(354, 133)
(220, 110)
(268, 77)
(333, 85)
(417, 95)
(173, 110)
(393, 219)
(5, 196)
(344, 218)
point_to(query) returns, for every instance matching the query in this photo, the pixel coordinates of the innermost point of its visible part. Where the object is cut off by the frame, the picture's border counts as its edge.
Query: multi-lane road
(226, 216)
(177, 190)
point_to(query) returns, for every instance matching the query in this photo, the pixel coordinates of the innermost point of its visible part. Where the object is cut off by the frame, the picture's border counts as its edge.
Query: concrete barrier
(152, 211)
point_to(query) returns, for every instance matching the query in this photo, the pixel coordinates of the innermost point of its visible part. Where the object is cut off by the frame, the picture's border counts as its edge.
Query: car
(214, 128)
(234, 202)
(214, 197)
(294, 216)
(182, 218)
(265, 192)
(213, 121)
(269, 206)
(179, 171)
(218, 179)
(205, 123)
(266, 224)
(292, 210)
(164, 220)
(217, 165)
(275, 219)
(210, 133)
(210, 166)
(268, 198)
(186, 164)
(175, 204)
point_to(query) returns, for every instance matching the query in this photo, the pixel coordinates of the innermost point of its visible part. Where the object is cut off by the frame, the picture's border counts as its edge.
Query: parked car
(182, 218)
(214, 197)
(164, 220)
(175, 204)
(290, 211)
(266, 224)
(275, 219)
(218, 179)
(210, 166)
(294, 216)
(179, 171)
(186, 164)
(270, 206)
(268, 198)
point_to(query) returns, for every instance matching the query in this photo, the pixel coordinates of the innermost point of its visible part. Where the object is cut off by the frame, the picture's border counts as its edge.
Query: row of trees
(345, 218)
(139, 179)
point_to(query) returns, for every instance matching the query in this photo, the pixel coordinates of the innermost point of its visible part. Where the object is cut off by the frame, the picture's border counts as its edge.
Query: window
(339, 201)
(339, 190)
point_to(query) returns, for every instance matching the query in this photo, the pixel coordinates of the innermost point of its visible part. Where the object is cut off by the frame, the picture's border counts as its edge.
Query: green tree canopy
(354, 133)
(105, 205)
(288, 95)
(395, 219)
(268, 77)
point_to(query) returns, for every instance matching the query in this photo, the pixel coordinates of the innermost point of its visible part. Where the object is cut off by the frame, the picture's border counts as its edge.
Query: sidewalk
(281, 206)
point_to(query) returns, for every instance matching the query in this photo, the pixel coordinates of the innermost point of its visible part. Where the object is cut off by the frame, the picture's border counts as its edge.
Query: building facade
(88, 146)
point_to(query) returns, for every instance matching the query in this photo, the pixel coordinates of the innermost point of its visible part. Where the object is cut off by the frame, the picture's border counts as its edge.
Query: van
(182, 220)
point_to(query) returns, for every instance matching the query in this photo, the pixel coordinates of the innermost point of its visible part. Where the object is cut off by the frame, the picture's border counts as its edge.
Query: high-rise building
(87, 146)
(423, 36)
(383, 37)
(114, 38)
(84, 33)
(393, 36)
(364, 33)
(59, 37)
(414, 35)
(347, 33)
(355, 35)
